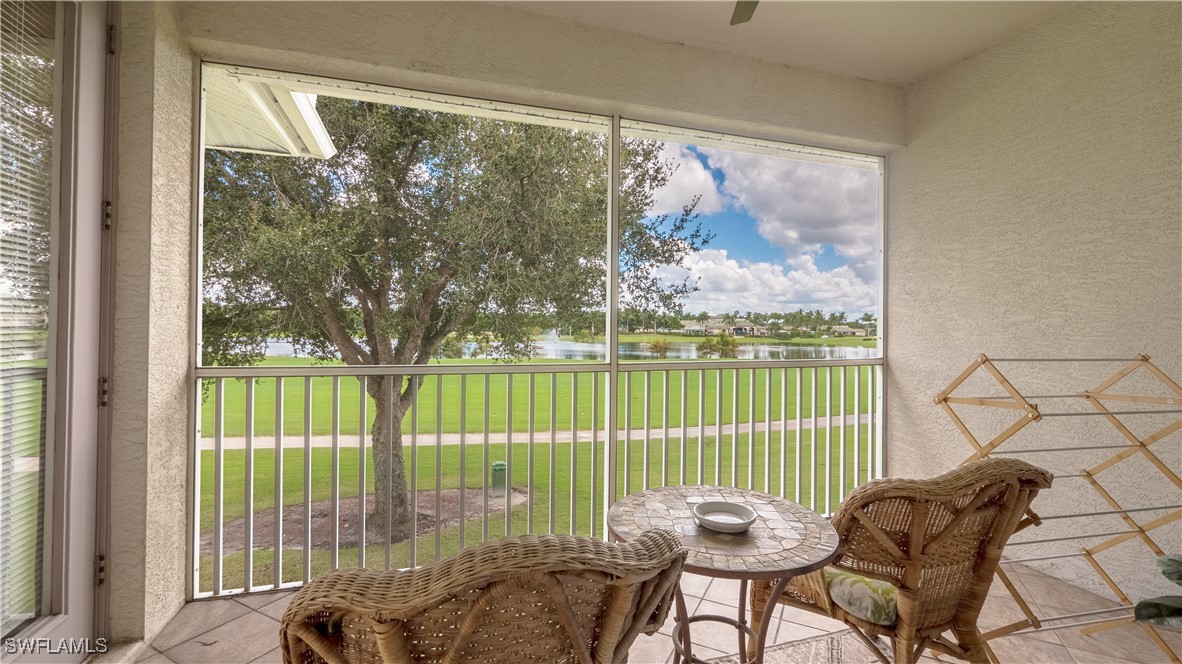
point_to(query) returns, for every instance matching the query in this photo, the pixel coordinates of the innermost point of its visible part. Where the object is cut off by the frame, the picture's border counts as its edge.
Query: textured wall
(150, 430)
(1037, 212)
(486, 50)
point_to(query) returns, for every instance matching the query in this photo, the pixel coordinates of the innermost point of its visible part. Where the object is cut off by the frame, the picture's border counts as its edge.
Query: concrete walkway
(296, 441)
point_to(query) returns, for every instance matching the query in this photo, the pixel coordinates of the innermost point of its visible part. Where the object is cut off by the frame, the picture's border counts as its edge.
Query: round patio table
(786, 540)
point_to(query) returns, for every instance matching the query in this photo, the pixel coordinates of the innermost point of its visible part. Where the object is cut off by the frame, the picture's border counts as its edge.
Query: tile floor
(245, 629)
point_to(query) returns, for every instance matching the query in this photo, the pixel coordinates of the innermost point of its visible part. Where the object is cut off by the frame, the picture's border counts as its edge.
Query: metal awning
(261, 116)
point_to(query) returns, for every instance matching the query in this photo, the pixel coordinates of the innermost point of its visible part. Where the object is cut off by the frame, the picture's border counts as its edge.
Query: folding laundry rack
(1028, 412)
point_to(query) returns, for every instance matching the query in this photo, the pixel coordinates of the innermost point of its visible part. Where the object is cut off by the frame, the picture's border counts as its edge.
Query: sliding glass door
(52, 64)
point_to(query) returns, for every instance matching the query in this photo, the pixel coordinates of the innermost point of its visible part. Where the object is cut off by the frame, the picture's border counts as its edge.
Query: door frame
(69, 559)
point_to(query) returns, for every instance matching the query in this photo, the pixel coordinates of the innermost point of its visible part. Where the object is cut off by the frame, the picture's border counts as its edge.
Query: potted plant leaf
(1166, 610)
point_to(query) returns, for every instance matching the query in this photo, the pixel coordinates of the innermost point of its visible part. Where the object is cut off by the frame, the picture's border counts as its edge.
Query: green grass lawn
(575, 505)
(447, 399)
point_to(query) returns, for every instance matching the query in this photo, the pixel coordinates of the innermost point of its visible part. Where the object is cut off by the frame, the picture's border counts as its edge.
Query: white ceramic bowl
(724, 517)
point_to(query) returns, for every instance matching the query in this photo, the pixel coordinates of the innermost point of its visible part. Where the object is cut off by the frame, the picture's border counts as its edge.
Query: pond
(637, 350)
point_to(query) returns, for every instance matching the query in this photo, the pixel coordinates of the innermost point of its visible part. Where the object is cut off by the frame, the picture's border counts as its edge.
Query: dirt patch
(450, 514)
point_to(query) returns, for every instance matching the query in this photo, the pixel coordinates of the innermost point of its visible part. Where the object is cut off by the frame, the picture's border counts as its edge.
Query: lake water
(679, 350)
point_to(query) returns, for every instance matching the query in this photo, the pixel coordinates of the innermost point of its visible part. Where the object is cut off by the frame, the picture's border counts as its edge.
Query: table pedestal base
(683, 642)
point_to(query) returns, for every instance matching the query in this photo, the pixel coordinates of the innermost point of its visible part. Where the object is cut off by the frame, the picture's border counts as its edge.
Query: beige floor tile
(158, 658)
(694, 584)
(1020, 650)
(236, 642)
(1047, 591)
(1000, 610)
(259, 600)
(816, 621)
(654, 649)
(271, 657)
(196, 618)
(275, 609)
(1127, 642)
(715, 635)
(1085, 657)
(794, 632)
(148, 653)
(724, 591)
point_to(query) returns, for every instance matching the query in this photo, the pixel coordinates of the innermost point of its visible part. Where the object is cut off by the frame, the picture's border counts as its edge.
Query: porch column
(152, 327)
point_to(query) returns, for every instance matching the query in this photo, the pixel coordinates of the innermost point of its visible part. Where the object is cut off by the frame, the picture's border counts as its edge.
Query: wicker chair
(551, 598)
(936, 541)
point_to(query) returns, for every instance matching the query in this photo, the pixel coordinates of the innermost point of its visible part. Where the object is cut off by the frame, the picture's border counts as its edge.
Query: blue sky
(789, 233)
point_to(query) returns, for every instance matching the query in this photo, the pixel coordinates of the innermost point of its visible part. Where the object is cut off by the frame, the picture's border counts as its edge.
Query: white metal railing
(283, 460)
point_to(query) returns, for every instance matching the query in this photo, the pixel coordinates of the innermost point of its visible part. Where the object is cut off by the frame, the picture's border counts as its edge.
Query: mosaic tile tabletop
(786, 539)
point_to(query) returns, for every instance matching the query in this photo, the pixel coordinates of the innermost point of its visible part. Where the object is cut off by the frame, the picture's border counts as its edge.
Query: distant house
(739, 328)
(846, 331)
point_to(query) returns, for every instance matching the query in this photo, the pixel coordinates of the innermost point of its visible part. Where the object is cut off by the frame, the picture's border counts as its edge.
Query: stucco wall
(151, 336)
(1037, 212)
(499, 52)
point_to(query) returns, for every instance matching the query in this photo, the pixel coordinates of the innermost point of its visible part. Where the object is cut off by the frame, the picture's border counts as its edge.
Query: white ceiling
(892, 42)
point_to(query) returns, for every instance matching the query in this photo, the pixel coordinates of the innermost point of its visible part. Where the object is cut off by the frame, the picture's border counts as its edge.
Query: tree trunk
(390, 486)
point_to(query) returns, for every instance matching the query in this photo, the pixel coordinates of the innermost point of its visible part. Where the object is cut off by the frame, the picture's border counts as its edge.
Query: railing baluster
(813, 447)
(529, 501)
(438, 466)
(751, 428)
(334, 560)
(416, 383)
(828, 439)
(508, 455)
(248, 469)
(876, 418)
(627, 431)
(595, 501)
(783, 402)
(735, 428)
(362, 460)
(574, 451)
(278, 552)
(553, 447)
(844, 425)
(665, 428)
(701, 423)
(307, 479)
(857, 426)
(717, 423)
(685, 375)
(388, 490)
(218, 481)
(463, 454)
(487, 461)
(647, 430)
(767, 430)
(799, 434)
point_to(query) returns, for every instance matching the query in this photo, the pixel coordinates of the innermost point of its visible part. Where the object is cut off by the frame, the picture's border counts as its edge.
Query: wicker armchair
(937, 542)
(551, 598)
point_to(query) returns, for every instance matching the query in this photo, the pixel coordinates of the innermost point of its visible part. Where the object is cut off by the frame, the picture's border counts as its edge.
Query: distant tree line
(799, 323)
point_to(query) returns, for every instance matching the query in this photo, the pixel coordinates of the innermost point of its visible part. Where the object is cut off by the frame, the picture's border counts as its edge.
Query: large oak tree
(425, 225)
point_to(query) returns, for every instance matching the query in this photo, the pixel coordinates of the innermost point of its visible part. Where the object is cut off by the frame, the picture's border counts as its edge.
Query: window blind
(27, 83)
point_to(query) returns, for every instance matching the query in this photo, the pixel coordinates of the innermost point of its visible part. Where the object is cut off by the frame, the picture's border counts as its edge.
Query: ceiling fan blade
(744, 9)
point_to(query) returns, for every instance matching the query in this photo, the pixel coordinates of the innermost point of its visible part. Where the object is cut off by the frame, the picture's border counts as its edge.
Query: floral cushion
(869, 599)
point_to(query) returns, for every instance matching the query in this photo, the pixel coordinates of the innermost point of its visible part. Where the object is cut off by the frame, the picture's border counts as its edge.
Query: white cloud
(690, 179)
(801, 205)
(727, 284)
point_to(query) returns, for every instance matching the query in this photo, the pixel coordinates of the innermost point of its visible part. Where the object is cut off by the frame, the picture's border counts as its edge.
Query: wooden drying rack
(1028, 413)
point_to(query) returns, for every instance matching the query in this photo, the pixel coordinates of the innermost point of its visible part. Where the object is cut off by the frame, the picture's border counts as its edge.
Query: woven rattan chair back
(938, 540)
(550, 598)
